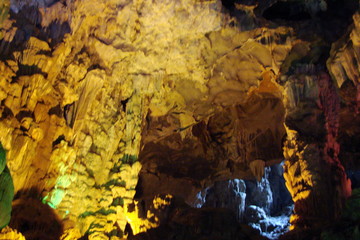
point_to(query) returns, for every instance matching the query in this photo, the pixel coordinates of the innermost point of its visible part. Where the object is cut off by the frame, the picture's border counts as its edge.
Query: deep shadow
(28, 70)
(290, 11)
(178, 221)
(34, 219)
(329, 24)
(354, 177)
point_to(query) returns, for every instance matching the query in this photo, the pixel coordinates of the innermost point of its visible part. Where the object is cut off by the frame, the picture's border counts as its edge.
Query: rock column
(314, 175)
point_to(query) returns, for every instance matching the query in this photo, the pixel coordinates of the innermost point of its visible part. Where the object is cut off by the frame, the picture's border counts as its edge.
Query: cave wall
(96, 95)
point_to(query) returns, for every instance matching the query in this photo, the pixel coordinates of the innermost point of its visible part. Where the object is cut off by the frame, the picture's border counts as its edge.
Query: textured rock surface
(346, 75)
(96, 95)
(183, 222)
(312, 153)
(228, 194)
(8, 233)
(265, 205)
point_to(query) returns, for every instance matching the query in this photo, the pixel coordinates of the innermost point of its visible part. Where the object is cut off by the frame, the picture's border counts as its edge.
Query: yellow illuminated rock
(71, 234)
(139, 224)
(10, 234)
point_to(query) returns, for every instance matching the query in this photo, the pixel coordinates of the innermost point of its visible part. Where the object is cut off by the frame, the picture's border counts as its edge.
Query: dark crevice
(124, 103)
(56, 111)
(69, 114)
(94, 66)
(289, 11)
(58, 140)
(24, 114)
(230, 4)
(28, 70)
(312, 22)
(6, 113)
(44, 52)
(51, 3)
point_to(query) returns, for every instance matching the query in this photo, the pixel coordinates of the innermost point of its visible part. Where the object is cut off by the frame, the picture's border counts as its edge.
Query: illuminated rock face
(312, 151)
(317, 142)
(96, 95)
(8, 233)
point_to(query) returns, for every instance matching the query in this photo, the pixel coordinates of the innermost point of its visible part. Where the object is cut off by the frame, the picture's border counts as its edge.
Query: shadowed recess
(34, 219)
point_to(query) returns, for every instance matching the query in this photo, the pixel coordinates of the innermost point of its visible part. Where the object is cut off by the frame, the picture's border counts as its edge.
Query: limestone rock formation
(265, 205)
(107, 105)
(183, 222)
(8, 233)
(228, 194)
(346, 76)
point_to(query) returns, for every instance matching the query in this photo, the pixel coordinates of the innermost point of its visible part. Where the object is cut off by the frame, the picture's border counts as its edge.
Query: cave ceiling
(105, 104)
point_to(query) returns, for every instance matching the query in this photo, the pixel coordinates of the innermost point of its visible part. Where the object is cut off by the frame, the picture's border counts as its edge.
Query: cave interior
(179, 119)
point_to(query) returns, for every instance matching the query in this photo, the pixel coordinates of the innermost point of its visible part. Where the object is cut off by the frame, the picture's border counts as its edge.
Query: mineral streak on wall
(105, 106)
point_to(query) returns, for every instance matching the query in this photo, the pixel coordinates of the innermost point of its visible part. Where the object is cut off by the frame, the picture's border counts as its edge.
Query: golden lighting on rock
(298, 175)
(8, 233)
(293, 219)
(138, 224)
